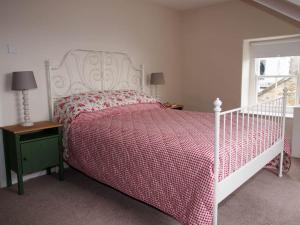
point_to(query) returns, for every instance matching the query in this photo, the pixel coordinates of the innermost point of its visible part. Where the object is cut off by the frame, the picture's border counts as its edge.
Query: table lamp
(157, 79)
(23, 81)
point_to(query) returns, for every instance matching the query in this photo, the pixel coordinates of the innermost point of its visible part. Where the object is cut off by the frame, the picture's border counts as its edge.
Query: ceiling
(297, 2)
(186, 4)
(283, 7)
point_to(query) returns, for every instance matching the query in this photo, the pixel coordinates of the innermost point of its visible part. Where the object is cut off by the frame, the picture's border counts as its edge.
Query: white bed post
(50, 100)
(284, 100)
(217, 110)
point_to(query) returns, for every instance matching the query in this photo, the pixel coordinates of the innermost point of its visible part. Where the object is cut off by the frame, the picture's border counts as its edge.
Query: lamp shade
(157, 78)
(23, 80)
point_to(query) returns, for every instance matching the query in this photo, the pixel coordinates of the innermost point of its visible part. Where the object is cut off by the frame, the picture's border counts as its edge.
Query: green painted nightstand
(32, 149)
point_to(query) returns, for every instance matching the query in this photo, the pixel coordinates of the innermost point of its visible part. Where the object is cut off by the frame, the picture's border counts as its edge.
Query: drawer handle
(25, 159)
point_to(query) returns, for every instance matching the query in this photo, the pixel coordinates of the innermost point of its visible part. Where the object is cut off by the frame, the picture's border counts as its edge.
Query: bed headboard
(90, 70)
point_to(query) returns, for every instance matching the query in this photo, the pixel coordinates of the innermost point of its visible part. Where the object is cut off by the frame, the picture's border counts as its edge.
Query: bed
(183, 163)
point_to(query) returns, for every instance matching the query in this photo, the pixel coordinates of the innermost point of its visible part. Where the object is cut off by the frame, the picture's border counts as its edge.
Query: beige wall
(199, 51)
(213, 50)
(46, 29)
(41, 30)
(213, 40)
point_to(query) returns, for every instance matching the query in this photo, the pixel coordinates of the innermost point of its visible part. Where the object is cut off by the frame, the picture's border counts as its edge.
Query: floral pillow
(68, 108)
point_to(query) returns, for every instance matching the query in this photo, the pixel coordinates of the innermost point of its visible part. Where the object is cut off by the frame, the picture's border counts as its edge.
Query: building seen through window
(275, 73)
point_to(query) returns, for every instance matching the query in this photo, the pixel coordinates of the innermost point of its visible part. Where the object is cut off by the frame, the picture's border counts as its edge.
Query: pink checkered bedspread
(160, 156)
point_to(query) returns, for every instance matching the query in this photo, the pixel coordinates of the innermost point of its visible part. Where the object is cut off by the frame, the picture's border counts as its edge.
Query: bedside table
(32, 149)
(173, 106)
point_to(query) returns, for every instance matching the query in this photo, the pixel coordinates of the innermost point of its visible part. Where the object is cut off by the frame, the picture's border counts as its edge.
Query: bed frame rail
(236, 156)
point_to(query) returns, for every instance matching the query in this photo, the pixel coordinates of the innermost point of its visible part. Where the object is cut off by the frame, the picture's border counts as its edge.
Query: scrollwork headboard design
(89, 70)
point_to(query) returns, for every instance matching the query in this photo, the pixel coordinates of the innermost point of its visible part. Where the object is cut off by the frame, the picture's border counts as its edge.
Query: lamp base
(27, 124)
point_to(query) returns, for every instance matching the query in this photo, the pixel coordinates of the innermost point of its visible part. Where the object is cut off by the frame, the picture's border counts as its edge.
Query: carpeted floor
(263, 200)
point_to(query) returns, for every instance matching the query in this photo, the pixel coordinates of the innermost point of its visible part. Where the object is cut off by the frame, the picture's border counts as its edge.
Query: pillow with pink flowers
(67, 108)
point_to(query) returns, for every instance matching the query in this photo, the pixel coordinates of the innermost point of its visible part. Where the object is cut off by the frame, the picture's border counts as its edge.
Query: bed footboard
(246, 140)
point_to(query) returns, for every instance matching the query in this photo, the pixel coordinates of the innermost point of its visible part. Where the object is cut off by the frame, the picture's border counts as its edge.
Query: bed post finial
(217, 109)
(217, 104)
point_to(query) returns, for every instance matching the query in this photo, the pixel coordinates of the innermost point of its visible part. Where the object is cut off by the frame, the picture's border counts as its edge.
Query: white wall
(40, 30)
(213, 49)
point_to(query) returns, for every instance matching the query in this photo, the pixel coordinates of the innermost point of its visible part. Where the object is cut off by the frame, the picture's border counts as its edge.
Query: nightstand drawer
(40, 154)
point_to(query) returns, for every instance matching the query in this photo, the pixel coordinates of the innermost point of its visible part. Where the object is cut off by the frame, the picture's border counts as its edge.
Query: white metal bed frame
(82, 70)
(88, 70)
(266, 149)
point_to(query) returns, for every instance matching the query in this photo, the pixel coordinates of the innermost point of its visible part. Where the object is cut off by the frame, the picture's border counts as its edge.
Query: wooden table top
(19, 129)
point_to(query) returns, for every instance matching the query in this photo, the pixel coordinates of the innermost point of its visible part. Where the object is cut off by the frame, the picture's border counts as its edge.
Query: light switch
(11, 49)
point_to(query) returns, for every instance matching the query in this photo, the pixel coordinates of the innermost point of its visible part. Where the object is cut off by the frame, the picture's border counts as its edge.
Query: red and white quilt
(160, 156)
(68, 108)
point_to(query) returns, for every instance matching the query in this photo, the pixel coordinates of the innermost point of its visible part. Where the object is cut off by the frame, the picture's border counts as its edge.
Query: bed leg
(217, 111)
(285, 94)
(215, 216)
(280, 164)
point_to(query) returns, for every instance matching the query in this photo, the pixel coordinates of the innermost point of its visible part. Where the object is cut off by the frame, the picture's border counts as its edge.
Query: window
(275, 73)
(269, 66)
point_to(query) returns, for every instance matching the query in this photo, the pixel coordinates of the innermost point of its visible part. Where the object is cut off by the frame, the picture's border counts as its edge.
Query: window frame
(250, 79)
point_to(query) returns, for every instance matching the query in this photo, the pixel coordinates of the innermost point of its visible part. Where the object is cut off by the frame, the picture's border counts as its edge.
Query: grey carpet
(263, 200)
